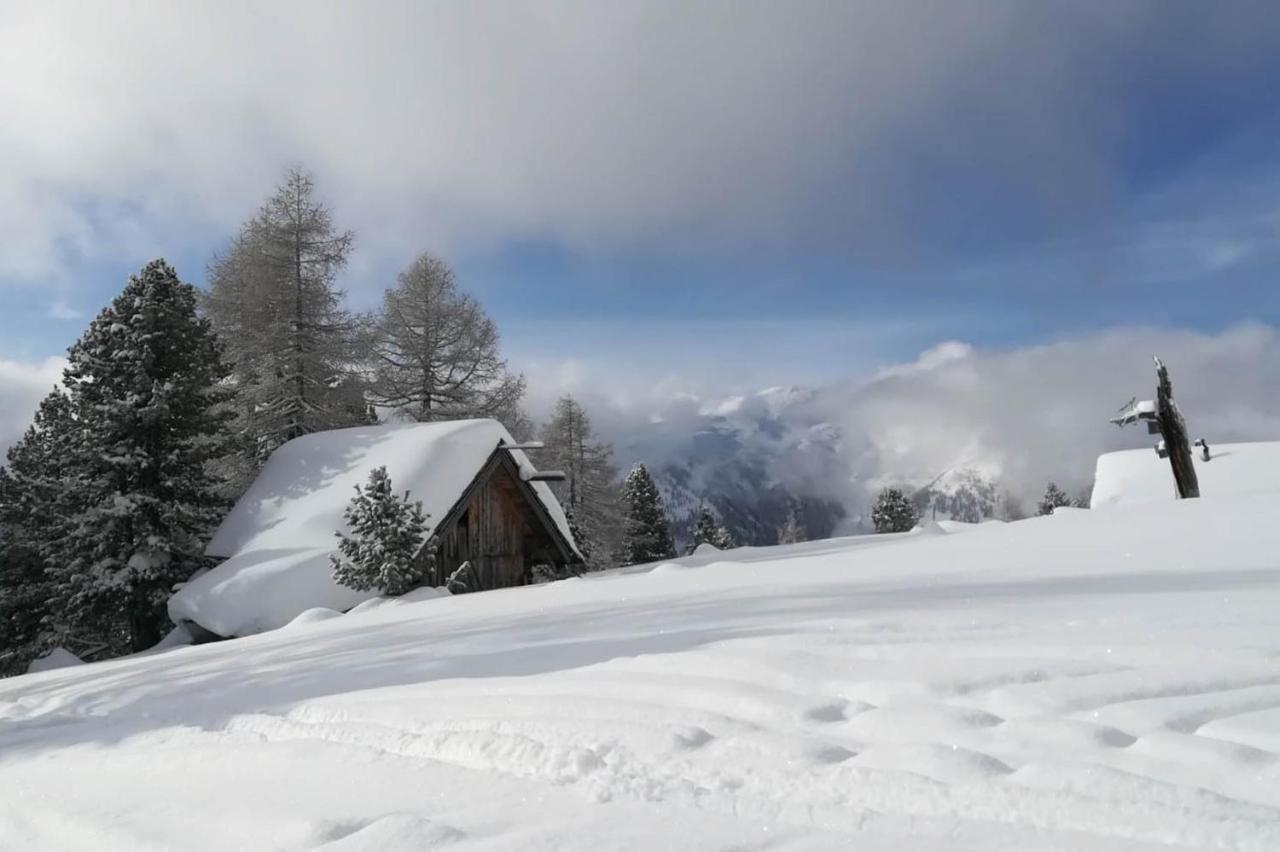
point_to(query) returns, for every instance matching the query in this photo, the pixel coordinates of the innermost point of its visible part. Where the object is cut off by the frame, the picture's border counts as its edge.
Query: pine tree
(648, 535)
(435, 351)
(30, 493)
(1054, 497)
(589, 491)
(707, 531)
(144, 385)
(579, 538)
(792, 532)
(382, 549)
(894, 513)
(291, 343)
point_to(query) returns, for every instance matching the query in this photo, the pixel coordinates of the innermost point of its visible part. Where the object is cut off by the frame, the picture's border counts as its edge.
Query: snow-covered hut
(484, 501)
(1131, 477)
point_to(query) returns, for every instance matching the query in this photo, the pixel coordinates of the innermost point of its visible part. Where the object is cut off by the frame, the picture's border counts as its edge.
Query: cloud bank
(887, 129)
(1022, 416)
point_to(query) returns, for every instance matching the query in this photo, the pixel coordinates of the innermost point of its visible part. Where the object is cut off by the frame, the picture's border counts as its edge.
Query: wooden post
(1173, 429)
(1162, 417)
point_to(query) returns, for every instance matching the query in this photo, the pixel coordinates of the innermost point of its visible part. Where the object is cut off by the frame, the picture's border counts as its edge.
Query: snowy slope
(280, 535)
(1089, 680)
(1141, 476)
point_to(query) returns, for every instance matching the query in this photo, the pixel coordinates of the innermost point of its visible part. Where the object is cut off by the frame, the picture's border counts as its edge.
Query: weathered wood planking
(497, 528)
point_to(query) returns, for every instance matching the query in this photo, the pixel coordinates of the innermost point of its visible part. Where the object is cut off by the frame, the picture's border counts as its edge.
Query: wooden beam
(527, 445)
(545, 476)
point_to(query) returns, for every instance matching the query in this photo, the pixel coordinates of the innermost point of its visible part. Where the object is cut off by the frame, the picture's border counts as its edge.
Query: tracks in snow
(744, 737)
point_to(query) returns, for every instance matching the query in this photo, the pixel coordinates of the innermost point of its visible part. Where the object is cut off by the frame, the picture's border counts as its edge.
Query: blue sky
(715, 198)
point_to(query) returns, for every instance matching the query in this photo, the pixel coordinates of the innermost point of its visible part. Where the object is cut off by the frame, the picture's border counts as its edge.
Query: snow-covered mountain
(754, 459)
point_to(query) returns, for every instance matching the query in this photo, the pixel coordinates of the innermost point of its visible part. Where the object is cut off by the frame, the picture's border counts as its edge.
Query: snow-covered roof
(1141, 476)
(278, 539)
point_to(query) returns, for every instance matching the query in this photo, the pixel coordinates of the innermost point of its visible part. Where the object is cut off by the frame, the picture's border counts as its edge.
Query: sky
(665, 198)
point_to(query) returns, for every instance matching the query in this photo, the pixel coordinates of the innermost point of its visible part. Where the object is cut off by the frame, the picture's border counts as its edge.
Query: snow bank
(58, 658)
(278, 539)
(1141, 476)
(424, 593)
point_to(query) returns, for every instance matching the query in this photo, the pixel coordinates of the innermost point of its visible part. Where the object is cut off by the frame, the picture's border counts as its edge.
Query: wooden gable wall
(497, 529)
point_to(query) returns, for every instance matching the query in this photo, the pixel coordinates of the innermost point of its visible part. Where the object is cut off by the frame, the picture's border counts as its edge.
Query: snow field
(1101, 680)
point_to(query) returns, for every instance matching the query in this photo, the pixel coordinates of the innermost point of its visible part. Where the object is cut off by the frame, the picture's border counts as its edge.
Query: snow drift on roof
(278, 538)
(1141, 476)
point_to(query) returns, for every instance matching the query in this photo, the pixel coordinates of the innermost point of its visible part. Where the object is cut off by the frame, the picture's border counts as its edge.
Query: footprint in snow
(691, 738)
(833, 754)
(837, 711)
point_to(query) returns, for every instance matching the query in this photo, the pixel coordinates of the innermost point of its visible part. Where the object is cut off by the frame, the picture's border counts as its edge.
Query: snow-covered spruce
(1054, 497)
(707, 531)
(893, 512)
(648, 535)
(136, 500)
(382, 549)
(30, 494)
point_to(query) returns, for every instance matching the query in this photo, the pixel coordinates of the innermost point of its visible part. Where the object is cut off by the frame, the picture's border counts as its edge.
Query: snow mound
(425, 593)
(278, 539)
(1141, 476)
(314, 615)
(58, 658)
(178, 637)
(929, 526)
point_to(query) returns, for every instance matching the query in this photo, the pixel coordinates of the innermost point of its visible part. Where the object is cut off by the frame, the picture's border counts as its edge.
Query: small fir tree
(894, 513)
(707, 531)
(1054, 497)
(386, 537)
(792, 532)
(585, 545)
(648, 535)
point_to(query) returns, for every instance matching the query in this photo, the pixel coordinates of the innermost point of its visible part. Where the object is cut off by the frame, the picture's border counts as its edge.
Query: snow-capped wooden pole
(1162, 416)
(1174, 431)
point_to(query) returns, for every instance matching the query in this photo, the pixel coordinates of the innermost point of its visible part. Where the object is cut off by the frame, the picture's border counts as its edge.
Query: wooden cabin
(501, 526)
(483, 499)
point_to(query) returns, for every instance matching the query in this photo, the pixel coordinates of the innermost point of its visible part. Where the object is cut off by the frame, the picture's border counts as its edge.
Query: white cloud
(60, 309)
(129, 126)
(1025, 415)
(1031, 414)
(22, 386)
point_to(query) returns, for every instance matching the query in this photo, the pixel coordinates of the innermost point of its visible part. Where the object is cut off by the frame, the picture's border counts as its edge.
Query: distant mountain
(754, 459)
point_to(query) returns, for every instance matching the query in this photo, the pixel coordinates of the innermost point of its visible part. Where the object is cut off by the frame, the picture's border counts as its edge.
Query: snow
(313, 615)
(58, 658)
(1140, 476)
(1087, 680)
(278, 539)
